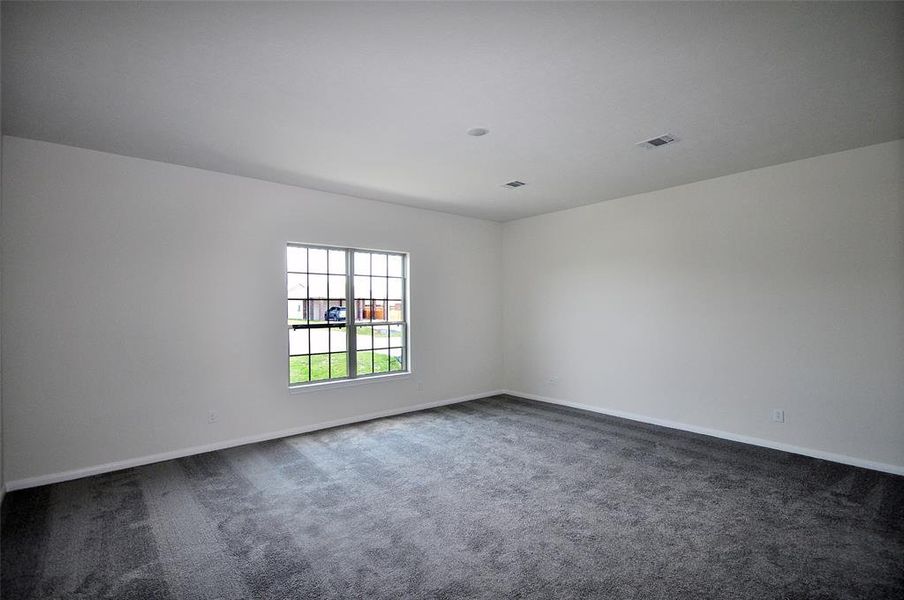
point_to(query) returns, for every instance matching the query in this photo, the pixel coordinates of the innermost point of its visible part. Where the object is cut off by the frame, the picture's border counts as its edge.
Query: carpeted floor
(496, 498)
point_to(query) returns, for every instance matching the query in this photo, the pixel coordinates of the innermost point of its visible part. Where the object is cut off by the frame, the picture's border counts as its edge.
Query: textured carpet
(497, 498)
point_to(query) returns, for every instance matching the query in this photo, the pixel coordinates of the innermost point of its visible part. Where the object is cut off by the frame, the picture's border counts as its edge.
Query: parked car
(335, 313)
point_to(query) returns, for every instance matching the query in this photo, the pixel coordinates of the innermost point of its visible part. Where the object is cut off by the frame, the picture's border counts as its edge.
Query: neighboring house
(365, 310)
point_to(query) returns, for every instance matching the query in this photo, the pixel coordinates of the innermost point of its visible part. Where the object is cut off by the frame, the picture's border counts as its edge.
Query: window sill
(324, 385)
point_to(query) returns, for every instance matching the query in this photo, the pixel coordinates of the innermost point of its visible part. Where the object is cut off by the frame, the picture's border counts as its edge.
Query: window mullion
(352, 339)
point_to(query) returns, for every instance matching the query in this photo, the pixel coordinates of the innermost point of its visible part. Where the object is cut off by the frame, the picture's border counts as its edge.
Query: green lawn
(320, 365)
(380, 332)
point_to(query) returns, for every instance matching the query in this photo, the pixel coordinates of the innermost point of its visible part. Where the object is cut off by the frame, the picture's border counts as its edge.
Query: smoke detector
(656, 142)
(513, 184)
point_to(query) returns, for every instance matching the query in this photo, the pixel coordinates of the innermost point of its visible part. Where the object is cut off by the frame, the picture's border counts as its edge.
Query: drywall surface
(139, 295)
(2, 480)
(713, 303)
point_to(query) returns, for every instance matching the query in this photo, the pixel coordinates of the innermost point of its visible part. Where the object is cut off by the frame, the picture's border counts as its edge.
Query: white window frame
(351, 323)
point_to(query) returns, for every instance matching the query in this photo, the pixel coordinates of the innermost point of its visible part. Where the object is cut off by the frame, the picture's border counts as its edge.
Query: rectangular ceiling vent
(656, 142)
(514, 184)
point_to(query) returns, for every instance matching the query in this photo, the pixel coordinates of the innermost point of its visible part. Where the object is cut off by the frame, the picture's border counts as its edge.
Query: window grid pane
(317, 260)
(336, 265)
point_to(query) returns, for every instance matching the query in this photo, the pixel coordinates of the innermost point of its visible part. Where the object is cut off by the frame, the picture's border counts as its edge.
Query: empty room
(441, 300)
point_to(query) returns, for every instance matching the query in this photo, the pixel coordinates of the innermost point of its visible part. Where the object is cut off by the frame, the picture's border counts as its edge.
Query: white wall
(2, 480)
(707, 304)
(712, 303)
(111, 265)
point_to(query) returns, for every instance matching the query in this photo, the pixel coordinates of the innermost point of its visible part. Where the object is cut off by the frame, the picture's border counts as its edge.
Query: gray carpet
(497, 498)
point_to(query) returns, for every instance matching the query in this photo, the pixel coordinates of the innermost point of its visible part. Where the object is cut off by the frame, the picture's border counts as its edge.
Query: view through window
(342, 303)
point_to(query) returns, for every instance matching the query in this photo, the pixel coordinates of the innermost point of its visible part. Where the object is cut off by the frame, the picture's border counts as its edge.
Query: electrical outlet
(212, 416)
(778, 415)
(552, 380)
(420, 386)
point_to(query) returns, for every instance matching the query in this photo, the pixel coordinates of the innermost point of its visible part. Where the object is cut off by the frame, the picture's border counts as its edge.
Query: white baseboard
(20, 484)
(725, 435)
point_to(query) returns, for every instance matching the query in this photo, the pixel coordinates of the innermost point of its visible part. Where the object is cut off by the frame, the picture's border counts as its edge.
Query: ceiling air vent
(513, 184)
(658, 141)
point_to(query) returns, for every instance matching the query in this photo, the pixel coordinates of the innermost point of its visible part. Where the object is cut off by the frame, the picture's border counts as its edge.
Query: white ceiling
(373, 99)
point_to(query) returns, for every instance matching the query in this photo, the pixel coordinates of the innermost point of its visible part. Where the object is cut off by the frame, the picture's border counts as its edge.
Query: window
(347, 313)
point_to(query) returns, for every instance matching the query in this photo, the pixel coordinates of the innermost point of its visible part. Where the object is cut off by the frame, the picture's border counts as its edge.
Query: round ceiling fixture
(478, 131)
